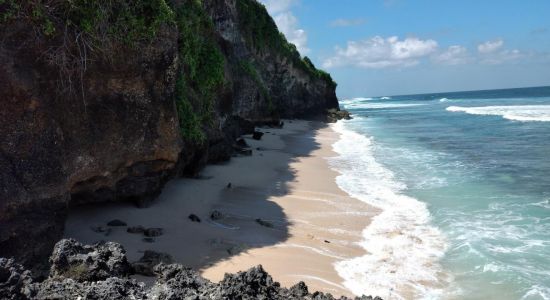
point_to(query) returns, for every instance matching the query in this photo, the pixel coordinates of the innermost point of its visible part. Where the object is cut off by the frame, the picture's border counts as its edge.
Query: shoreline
(287, 183)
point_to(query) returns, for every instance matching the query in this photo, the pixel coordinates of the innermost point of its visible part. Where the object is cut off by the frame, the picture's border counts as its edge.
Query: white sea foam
(403, 248)
(524, 113)
(537, 292)
(444, 100)
(385, 98)
(382, 105)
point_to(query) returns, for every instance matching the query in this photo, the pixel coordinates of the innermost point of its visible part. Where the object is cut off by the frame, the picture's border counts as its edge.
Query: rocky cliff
(106, 101)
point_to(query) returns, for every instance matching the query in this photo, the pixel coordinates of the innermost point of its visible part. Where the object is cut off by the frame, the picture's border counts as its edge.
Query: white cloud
(454, 55)
(491, 53)
(347, 22)
(379, 52)
(278, 6)
(288, 23)
(490, 46)
(502, 57)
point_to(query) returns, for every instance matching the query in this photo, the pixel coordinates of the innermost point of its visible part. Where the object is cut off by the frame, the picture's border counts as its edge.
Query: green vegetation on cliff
(262, 33)
(202, 69)
(98, 22)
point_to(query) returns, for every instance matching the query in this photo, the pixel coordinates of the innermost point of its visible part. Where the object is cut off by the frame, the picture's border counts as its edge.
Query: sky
(396, 47)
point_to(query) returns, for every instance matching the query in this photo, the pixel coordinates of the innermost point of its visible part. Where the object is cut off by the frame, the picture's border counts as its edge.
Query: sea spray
(403, 248)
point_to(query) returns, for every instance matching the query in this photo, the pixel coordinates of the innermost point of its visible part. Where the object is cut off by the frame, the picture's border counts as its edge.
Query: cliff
(106, 101)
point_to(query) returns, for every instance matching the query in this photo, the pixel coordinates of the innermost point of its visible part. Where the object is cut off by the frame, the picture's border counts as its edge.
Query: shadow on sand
(250, 220)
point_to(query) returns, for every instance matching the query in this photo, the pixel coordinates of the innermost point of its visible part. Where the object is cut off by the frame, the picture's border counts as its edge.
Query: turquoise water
(468, 177)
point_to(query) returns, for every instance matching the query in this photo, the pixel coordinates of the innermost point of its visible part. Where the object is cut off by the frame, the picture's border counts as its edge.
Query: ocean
(463, 183)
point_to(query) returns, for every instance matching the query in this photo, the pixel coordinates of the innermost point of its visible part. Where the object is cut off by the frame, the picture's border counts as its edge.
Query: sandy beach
(307, 222)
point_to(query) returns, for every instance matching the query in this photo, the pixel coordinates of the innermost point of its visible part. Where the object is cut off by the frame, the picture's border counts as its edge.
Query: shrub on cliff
(202, 69)
(262, 33)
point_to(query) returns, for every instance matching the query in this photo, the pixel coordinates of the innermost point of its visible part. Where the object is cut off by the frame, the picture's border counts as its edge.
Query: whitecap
(444, 100)
(537, 292)
(385, 98)
(524, 113)
(403, 247)
(382, 105)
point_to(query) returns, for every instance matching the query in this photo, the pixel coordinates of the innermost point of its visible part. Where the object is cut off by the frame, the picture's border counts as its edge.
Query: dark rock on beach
(106, 277)
(194, 218)
(264, 223)
(135, 229)
(153, 232)
(257, 135)
(116, 223)
(216, 215)
(241, 143)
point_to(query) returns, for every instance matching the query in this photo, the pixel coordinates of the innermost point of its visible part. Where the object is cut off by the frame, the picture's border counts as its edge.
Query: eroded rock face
(292, 91)
(112, 135)
(111, 132)
(173, 281)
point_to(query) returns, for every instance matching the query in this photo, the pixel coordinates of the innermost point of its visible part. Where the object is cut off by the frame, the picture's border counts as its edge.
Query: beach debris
(229, 185)
(194, 218)
(216, 215)
(327, 241)
(135, 229)
(257, 135)
(116, 223)
(264, 223)
(150, 259)
(148, 239)
(151, 232)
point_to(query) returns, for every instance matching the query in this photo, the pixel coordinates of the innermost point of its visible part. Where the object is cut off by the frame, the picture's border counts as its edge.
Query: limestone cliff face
(82, 124)
(261, 60)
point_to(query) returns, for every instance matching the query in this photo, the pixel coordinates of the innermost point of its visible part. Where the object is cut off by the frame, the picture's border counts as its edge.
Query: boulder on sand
(152, 232)
(216, 215)
(257, 135)
(116, 223)
(194, 218)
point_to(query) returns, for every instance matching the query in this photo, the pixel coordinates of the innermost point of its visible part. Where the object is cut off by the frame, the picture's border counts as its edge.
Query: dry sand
(287, 183)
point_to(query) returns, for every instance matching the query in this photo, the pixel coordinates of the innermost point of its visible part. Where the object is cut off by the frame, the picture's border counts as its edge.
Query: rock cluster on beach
(101, 271)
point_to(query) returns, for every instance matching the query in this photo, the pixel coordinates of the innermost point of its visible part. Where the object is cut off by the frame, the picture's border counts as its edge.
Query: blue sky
(391, 47)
